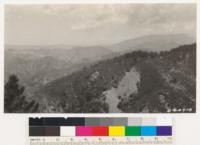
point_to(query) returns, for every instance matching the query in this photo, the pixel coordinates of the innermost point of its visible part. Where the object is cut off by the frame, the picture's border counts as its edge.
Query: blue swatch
(148, 131)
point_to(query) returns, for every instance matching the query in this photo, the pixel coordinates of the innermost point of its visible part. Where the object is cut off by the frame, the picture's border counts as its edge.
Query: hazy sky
(94, 24)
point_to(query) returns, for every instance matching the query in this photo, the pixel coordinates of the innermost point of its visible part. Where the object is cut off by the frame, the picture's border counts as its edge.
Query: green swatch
(133, 131)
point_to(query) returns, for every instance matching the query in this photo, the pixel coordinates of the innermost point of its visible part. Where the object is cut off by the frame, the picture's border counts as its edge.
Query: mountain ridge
(77, 90)
(153, 43)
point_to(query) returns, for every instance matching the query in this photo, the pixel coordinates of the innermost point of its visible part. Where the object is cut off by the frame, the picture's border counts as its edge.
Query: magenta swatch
(83, 131)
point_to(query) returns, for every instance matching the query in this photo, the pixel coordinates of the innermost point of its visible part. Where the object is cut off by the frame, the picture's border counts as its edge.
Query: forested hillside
(166, 84)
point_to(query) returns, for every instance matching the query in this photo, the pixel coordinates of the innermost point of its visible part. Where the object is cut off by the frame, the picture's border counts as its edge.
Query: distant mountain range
(75, 79)
(27, 63)
(153, 43)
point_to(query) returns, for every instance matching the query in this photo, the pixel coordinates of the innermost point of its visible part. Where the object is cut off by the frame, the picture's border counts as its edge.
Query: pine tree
(14, 100)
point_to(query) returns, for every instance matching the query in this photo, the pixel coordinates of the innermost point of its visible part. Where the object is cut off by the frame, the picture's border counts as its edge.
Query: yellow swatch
(116, 131)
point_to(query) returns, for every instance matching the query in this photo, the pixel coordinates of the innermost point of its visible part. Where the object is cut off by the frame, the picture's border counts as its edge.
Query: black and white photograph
(100, 58)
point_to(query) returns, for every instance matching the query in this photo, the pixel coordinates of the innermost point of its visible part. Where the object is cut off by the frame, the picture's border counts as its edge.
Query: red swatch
(100, 131)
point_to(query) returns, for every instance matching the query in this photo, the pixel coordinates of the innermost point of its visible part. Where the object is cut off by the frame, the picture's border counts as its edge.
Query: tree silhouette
(14, 100)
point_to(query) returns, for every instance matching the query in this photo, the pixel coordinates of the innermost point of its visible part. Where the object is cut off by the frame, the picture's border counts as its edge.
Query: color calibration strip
(77, 127)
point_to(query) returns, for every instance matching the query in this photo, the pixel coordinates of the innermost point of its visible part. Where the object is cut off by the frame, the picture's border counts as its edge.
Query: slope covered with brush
(167, 83)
